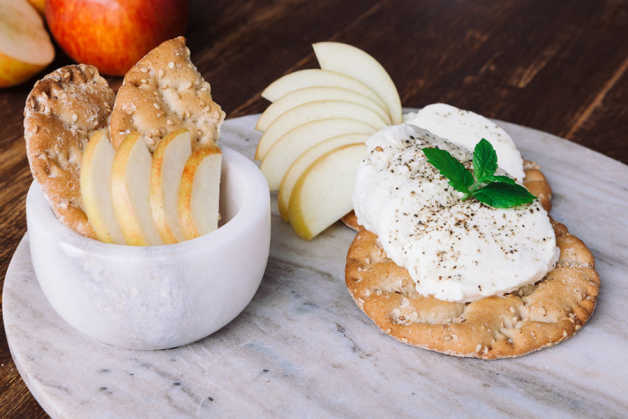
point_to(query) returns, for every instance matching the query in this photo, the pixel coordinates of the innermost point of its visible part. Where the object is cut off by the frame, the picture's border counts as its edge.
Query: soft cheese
(454, 250)
(466, 129)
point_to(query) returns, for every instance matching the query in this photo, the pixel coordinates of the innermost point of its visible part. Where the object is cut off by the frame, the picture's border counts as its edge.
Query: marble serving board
(303, 349)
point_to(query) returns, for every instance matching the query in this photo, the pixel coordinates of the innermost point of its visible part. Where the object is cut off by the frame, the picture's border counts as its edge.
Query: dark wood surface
(558, 66)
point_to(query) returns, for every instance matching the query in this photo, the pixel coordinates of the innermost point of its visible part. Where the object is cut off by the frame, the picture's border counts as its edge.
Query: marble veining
(303, 349)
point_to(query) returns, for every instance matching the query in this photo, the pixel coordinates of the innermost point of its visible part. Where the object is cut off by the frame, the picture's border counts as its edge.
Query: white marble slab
(303, 349)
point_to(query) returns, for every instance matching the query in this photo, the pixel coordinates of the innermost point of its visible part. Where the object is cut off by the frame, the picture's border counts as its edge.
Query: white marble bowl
(157, 297)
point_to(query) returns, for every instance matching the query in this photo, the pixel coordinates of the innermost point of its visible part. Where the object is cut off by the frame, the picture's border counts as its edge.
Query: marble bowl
(157, 297)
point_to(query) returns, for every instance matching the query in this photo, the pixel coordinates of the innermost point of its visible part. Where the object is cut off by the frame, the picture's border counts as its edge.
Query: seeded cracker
(164, 92)
(60, 112)
(351, 221)
(533, 317)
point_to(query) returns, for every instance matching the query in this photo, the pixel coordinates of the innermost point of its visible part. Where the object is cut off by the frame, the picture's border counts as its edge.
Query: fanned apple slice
(199, 192)
(315, 77)
(314, 111)
(313, 94)
(169, 159)
(288, 148)
(130, 187)
(96, 187)
(353, 62)
(304, 161)
(323, 193)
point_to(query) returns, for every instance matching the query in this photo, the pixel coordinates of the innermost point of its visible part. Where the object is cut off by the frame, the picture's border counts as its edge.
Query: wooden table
(556, 66)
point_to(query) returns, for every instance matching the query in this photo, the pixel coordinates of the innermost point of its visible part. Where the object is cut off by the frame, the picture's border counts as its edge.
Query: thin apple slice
(96, 187)
(304, 161)
(315, 77)
(25, 46)
(290, 146)
(130, 188)
(323, 194)
(169, 158)
(313, 94)
(355, 63)
(314, 111)
(199, 192)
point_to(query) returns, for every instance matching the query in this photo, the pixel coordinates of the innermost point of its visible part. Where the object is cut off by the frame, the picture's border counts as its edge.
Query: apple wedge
(199, 192)
(314, 111)
(290, 146)
(169, 158)
(95, 182)
(314, 94)
(304, 161)
(315, 77)
(130, 188)
(25, 46)
(353, 62)
(323, 193)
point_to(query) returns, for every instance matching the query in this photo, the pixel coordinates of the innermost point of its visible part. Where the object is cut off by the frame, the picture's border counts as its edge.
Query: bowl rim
(254, 204)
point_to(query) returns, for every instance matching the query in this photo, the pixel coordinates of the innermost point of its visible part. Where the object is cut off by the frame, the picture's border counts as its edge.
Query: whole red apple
(114, 34)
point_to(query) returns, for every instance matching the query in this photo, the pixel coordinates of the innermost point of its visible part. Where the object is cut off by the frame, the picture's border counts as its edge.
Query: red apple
(114, 34)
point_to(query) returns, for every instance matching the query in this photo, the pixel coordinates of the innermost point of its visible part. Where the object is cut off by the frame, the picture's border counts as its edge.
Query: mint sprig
(503, 195)
(483, 185)
(484, 160)
(459, 177)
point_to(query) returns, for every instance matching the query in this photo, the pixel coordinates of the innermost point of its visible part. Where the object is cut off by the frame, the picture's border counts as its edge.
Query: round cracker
(351, 220)
(533, 317)
(60, 112)
(535, 182)
(164, 92)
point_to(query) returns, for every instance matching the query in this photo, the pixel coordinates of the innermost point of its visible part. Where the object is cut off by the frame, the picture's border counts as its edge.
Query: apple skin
(39, 5)
(14, 72)
(114, 34)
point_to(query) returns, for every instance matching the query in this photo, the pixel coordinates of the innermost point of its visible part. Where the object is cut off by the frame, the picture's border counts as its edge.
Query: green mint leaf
(501, 179)
(484, 160)
(503, 195)
(459, 177)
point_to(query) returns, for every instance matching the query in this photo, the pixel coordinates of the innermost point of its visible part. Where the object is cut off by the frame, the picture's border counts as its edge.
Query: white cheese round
(466, 129)
(454, 250)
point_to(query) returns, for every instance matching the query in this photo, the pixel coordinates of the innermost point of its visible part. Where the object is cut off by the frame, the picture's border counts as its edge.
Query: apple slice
(323, 193)
(304, 161)
(130, 187)
(96, 187)
(199, 192)
(314, 111)
(25, 46)
(290, 146)
(313, 94)
(355, 63)
(169, 159)
(315, 77)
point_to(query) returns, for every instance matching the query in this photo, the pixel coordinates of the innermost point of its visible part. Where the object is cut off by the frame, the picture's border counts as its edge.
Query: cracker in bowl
(164, 92)
(62, 109)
